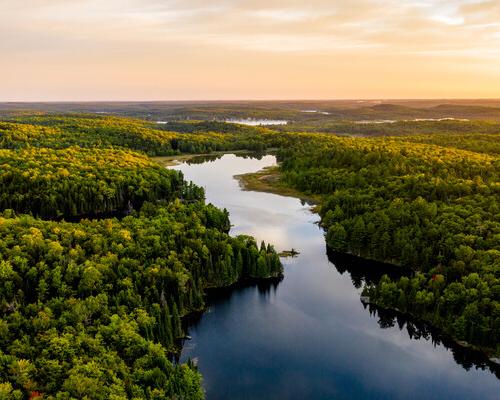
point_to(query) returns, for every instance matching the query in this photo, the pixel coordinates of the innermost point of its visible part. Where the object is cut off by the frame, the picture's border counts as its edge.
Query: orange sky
(230, 49)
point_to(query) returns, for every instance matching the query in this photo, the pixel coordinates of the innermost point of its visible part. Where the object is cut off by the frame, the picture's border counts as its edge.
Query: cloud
(136, 32)
(257, 25)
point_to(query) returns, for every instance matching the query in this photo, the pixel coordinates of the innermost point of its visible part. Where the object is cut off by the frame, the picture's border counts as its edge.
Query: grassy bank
(269, 180)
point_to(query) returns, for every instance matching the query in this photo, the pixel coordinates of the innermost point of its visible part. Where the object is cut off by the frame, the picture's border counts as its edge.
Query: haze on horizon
(58, 50)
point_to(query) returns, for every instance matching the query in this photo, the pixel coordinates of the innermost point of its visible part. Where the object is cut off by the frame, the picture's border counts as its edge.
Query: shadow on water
(201, 159)
(418, 330)
(310, 336)
(362, 270)
(264, 288)
(214, 296)
(366, 271)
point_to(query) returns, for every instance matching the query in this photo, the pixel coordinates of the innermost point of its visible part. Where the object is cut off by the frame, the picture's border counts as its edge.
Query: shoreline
(491, 360)
(168, 161)
(267, 180)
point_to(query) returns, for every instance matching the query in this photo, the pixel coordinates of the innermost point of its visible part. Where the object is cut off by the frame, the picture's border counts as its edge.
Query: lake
(256, 122)
(309, 336)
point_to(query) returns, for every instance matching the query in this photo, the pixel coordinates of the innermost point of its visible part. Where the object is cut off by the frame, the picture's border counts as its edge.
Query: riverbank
(265, 330)
(265, 180)
(269, 180)
(168, 161)
(490, 358)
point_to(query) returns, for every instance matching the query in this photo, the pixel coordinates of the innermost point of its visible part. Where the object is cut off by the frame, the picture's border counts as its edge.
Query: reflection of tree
(265, 287)
(417, 330)
(253, 155)
(364, 271)
(213, 157)
(386, 321)
(361, 270)
(357, 281)
(203, 159)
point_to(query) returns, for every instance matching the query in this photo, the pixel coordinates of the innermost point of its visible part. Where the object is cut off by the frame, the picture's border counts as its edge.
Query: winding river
(309, 336)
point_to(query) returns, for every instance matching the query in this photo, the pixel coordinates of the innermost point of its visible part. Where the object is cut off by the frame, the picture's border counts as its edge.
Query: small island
(289, 253)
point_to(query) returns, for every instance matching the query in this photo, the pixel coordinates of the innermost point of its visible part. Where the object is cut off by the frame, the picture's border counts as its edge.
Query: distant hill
(296, 111)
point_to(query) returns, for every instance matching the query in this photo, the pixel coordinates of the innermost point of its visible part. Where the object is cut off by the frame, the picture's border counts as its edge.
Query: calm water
(309, 336)
(257, 122)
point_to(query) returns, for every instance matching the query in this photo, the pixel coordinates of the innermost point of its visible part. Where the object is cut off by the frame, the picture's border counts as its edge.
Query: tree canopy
(92, 308)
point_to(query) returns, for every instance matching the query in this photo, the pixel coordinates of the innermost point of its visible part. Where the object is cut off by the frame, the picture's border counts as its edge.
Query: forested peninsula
(102, 251)
(92, 308)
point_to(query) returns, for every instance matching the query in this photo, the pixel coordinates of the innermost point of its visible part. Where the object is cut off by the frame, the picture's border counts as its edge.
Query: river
(309, 336)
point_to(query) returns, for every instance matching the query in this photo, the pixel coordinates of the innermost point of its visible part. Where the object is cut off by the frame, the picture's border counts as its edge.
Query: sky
(85, 50)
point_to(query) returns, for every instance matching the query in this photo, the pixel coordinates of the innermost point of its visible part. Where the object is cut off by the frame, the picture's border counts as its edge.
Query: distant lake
(393, 121)
(309, 336)
(256, 122)
(316, 111)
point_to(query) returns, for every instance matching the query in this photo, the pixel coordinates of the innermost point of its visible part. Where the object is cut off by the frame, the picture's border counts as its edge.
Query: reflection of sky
(251, 212)
(311, 338)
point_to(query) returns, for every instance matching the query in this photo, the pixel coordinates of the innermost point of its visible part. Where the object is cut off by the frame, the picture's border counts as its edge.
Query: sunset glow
(193, 49)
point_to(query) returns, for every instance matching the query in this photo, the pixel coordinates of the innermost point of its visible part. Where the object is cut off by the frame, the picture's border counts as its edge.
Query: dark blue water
(309, 336)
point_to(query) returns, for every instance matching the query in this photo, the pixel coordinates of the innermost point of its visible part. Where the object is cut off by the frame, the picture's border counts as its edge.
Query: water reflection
(264, 288)
(256, 122)
(201, 159)
(309, 336)
(362, 272)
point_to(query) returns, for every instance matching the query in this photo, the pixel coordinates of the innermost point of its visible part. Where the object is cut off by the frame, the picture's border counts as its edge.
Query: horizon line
(253, 100)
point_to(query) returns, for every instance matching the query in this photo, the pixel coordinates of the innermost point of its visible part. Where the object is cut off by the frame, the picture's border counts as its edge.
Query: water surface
(256, 122)
(309, 336)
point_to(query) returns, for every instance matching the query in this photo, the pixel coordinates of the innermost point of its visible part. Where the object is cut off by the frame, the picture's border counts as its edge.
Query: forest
(90, 131)
(75, 181)
(102, 251)
(426, 203)
(92, 308)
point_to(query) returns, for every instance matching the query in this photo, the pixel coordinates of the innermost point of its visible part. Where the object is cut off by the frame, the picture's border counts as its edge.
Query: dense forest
(299, 112)
(431, 208)
(75, 181)
(93, 308)
(90, 131)
(392, 127)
